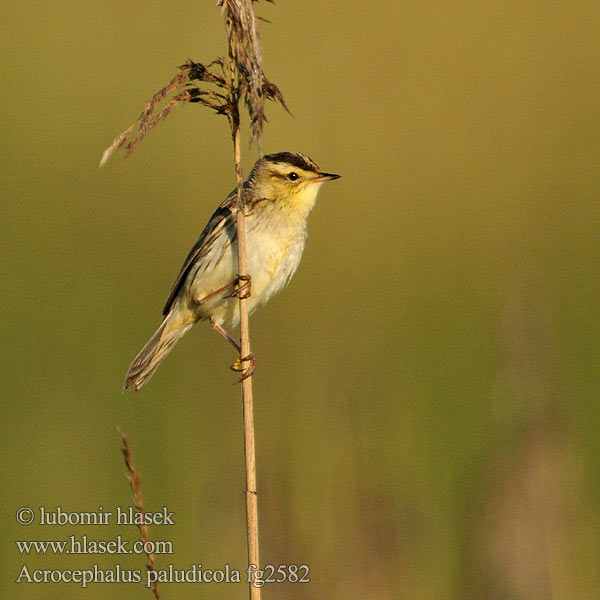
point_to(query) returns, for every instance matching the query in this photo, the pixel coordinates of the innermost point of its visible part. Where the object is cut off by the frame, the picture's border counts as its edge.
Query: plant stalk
(247, 398)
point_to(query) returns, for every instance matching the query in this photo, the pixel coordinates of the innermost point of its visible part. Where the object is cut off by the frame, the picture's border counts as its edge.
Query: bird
(279, 193)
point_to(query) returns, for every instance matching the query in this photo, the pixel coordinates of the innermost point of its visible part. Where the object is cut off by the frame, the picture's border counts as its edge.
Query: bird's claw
(239, 367)
(242, 287)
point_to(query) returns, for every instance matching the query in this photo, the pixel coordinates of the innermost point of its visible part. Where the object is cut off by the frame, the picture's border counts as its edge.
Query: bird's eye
(293, 176)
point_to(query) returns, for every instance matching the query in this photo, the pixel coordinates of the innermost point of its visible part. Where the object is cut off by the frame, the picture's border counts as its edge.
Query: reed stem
(247, 397)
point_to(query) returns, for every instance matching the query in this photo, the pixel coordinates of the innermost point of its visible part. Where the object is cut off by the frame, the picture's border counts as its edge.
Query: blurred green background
(427, 387)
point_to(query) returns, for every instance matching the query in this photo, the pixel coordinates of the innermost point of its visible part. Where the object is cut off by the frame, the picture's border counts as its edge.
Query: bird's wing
(222, 217)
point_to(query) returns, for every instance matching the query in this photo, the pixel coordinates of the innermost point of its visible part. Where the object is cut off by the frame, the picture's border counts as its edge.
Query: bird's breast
(273, 257)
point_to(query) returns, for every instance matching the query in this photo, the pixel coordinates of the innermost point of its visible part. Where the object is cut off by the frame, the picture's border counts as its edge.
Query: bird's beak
(325, 177)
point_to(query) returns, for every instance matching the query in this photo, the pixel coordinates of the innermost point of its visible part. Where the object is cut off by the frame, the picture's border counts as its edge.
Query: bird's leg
(238, 365)
(242, 287)
(225, 334)
(230, 285)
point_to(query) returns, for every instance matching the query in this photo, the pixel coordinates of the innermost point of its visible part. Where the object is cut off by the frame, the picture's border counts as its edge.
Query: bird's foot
(240, 367)
(242, 287)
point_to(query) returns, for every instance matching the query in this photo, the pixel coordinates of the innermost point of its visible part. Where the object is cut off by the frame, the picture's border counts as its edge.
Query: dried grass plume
(136, 485)
(242, 77)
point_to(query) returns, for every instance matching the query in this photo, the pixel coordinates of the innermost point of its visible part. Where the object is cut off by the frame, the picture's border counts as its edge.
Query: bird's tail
(160, 344)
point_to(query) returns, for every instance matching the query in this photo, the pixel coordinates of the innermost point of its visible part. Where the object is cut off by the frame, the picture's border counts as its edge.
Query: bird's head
(288, 178)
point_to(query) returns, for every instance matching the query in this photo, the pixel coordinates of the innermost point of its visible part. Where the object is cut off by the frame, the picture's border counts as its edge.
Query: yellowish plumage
(281, 191)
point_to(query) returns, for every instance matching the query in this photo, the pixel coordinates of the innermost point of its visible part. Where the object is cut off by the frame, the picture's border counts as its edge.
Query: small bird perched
(279, 193)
